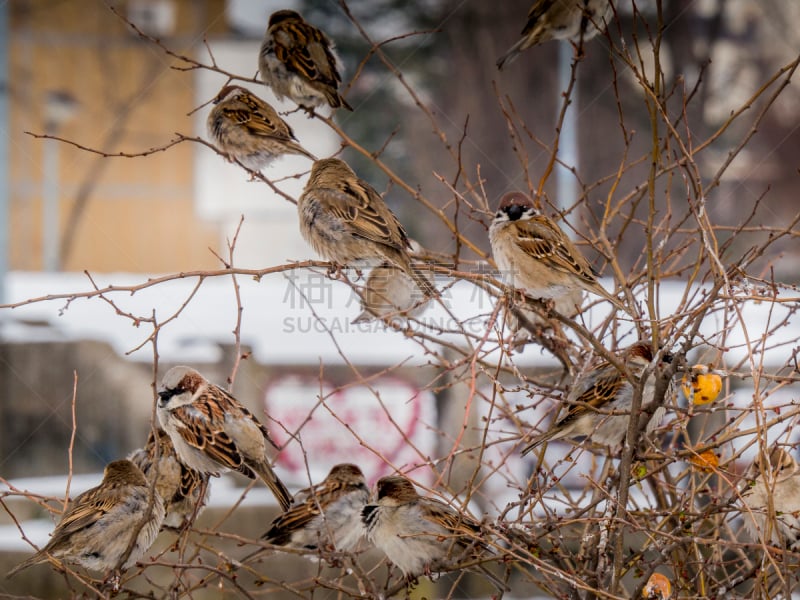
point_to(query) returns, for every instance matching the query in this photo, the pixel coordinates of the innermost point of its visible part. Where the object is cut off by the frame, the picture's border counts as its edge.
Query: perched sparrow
(532, 253)
(658, 587)
(345, 220)
(178, 485)
(560, 20)
(421, 535)
(299, 61)
(567, 305)
(603, 391)
(97, 526)
(249, 130)
(212, 432)
(772, 502)
(325, 515)
(389, 292)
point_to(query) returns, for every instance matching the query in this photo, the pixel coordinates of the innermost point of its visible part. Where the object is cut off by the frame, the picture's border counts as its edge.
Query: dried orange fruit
(705, 461)
(658, 587)
(701, 385)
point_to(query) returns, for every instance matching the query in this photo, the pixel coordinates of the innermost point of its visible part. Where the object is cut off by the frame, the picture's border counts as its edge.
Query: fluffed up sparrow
(98, 525)
(533, 253)
(421, 535)
(390, 292)
(560, 20)
(771, 509)
(346, 221)
(600, 403)
(326, 515)
(249, 130)
(297, 60)
(212, 432)
(179, 486)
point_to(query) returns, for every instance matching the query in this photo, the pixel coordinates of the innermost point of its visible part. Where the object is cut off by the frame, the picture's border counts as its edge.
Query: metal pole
(50, 208)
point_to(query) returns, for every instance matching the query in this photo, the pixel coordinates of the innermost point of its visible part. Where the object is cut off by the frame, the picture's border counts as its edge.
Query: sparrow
(346, 221)
(560, 20)
(772, 501)
(212, 432)
(98, 525)
(325, 515)
(657, 587)
(567, 305)
(249, 130)
(389, 292)
(602, 391)
(533, 253)
(179, 486)
(299, 61)
(421, 535)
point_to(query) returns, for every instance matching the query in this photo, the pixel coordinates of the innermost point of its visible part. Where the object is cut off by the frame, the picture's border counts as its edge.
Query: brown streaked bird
(298, 61)
(771, 511)
(98, 525)
(179, 486)
(599, 404)
(390, 293)
(560, 20)
(422, 535)
(534, 254)
(326, 515)
(213, 432)
(346, 221)
(249, 130)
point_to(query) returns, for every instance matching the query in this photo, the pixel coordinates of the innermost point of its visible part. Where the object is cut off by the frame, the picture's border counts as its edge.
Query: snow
(293, 318)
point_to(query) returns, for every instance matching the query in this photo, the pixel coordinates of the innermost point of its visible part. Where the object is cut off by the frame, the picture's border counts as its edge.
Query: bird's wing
(537, 238)
(304, 50)
(596, 396)
(199, 427)
(464, 528)
(293, 519)
(259, 123)
(539, 9)
(86, 510)
(367, 215)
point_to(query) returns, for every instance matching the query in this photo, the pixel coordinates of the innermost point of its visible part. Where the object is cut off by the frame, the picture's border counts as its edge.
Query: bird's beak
(514, 212)
(164, 396)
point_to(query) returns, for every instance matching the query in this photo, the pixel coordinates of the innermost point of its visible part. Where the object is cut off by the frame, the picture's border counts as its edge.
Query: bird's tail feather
(279, 490)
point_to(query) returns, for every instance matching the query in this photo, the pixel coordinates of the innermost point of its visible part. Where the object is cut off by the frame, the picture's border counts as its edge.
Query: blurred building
(79, 71)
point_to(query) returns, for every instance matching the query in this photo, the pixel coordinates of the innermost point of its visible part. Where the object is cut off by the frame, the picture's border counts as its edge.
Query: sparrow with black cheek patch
(297, 60)
(600, 403)
(179, 486)
(533, 253)
(772, 501)
(422, 535)
(346, 221)
(390, 292)
(249, 130)
(98, 525)
(560, 20)
(212, 432)
(326, 515)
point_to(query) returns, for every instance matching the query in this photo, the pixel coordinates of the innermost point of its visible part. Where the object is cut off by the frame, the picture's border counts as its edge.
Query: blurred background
(75, 69)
